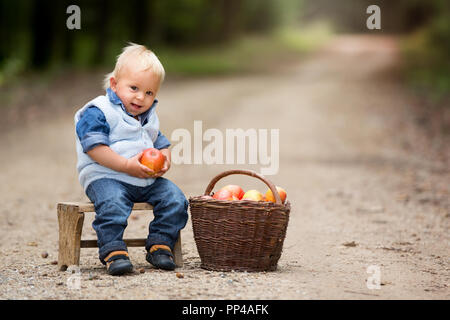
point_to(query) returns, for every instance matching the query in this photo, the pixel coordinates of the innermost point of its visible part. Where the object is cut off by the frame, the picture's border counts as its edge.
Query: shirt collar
(116, 100)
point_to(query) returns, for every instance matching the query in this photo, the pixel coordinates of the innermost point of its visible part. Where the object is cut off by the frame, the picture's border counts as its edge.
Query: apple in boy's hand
(235, 190)
(253, 195)
(153, 159)
(270, 197)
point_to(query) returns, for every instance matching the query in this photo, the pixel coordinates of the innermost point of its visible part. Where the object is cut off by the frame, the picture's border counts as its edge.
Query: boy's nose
(140, 96)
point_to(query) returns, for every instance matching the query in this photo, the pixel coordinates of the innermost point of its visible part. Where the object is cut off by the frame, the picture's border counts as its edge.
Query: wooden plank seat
(70, 220)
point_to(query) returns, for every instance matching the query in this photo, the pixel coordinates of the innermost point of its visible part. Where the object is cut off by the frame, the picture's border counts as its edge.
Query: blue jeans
(113, 201)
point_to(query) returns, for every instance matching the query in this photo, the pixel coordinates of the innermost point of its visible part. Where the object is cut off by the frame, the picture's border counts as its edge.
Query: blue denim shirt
(93, 129)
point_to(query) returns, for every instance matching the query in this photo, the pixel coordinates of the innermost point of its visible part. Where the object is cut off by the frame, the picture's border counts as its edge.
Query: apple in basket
(235, 190)
(253, 195)
(153, 159)
(269, 197)
(224, 194)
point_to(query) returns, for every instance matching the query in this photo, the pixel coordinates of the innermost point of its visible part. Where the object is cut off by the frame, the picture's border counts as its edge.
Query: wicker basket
(239, 235)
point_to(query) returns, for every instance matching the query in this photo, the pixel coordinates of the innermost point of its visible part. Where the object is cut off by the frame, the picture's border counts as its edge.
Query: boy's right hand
(136, 169)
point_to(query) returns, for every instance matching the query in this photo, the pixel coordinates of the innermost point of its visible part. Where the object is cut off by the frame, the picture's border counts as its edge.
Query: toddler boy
(112, 131)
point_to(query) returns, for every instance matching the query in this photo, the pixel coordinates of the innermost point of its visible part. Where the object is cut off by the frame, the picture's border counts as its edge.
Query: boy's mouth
(136, 106)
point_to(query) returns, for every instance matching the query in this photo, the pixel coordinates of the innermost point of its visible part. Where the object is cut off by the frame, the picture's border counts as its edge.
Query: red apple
(271, 197)
(253, 195)
(205, 197)
(223, 194)
(153, 159)
(235, 190)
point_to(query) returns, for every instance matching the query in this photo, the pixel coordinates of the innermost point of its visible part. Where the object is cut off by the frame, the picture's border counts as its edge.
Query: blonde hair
(145, 58)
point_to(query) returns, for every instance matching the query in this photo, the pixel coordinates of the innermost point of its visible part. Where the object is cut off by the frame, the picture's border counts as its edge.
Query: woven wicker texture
(239, 235)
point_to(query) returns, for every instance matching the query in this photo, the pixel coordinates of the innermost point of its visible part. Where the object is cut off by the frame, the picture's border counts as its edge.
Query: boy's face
(137, 89)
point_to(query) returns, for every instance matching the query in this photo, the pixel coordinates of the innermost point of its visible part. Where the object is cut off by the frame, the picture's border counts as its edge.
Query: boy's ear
(112, 83)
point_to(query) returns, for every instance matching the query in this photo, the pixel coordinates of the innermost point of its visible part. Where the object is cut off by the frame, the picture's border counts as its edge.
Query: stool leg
(70, 226)
(177, 254)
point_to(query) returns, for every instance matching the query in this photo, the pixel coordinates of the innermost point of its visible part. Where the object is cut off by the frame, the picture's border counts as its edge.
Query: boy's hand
(164, 168)
(136, 169)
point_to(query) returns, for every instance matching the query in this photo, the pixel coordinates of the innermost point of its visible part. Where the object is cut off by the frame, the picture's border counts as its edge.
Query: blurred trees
(34, 33)
(423, 24)
(427, 52)
(397, 16)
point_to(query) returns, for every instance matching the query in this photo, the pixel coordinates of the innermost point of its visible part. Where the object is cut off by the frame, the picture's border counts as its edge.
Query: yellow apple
(281, 192)
(253, 195)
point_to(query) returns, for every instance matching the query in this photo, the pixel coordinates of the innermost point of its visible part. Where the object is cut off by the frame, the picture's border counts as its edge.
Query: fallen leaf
(350, 244)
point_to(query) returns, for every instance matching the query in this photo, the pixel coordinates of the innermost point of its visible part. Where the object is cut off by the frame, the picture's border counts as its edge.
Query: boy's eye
(149, 93)
(134, 88)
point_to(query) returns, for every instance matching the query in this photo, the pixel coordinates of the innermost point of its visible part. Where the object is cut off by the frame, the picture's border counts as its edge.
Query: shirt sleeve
(92, 129)
(161, 142)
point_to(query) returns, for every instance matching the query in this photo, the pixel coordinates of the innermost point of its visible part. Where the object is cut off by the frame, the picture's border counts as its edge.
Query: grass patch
(246, 54)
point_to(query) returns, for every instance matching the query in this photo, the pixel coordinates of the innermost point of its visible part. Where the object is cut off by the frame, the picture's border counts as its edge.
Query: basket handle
(271, 186)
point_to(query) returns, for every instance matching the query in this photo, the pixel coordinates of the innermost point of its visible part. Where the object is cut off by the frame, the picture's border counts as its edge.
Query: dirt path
(366, 189)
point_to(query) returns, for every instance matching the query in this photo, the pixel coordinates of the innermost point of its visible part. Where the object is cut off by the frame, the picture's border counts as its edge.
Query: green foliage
(305, 39)
(10, 69)
(34, 33)
(427, 54)
(245, 54)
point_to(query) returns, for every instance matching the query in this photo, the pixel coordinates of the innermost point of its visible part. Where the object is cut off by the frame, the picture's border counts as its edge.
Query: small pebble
(54, 262)
(44, 255)
(141, 270)
(179, 275)
(93, 276)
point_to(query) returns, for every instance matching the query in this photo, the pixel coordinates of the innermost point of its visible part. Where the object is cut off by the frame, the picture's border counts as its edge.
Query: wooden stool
(70, 219)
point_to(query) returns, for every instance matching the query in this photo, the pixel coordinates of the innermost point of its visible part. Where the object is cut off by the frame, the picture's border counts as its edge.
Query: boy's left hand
(167, 161)
(164, 168)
